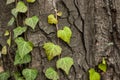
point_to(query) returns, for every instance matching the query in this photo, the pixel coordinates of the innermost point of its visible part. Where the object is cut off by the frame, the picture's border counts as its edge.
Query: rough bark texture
(94, 23)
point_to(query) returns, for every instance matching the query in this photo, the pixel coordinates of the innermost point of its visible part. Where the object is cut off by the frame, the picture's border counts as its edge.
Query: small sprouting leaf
(51, 74)
(52, 19)
(18, 31)
(65, 64)
(19, 60)
(10, 1)
(4, 50)
(30, 74)
(24, 47)
(4, 75)
(17, 76)
(65, 34)
(31, 1)
(10, 23)
(21, 7)
(52, 50)
(14, 12)
(59, 13)
(103, 66)
(9, 41)
(93, 75)
(6, 33)
(32, 22)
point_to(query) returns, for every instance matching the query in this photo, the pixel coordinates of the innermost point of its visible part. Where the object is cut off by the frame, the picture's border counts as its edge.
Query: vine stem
(16, 17)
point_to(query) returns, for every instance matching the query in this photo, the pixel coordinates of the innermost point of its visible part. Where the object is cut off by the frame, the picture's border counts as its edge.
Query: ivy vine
(24, 47)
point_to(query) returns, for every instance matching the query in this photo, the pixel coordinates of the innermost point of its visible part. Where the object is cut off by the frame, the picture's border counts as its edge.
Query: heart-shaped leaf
(32, 22)
(17, 76)
(21, 7)
(10, 23)
(19, 60)
(65, 64)
(65, 34)
(24, 47)
(4, 50)
(52, 50)
(30, 74)
(9, 41)
(14, 12)
(31, 1)
(52, 19)
(19, 30)
(51, 74)
(93, 75)
(4, 75)
(103, 66)
(7, 33)
(10, 1)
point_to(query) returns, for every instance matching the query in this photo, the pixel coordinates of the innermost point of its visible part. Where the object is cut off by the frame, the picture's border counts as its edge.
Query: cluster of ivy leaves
(24, 47)
(52, 50)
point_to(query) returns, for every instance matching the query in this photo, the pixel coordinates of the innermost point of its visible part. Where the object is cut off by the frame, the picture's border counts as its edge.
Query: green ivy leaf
(51, 74)
(14, 12)
(21, 7)
(19, 60)
(52, 19)
(24, 47)
(19, 30)
(31, 1)
(52, 50)
(17, 76)
(93, 75)
(9, 41)
(65, 64)
(103, 66)
(10, 1)
(32, 22)
(4, 75)
(7, 33)
(30, 74)
(10, 23)
(65, 34)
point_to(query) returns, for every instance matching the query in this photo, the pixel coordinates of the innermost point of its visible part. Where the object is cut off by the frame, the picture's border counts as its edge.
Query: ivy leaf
(17, 76)
(6, 33)
(19, 30)
(24, 47)
(30, 74)
(9, 41)
(4, 50)
(51, 74)
(14, 12)
(4, 75)
(93, 75)
(52, 50)
(21, 7)
(65, 64)
(10, 1)
(59, 13)
(19, 60)
(10, 23)
(32, 22)
(65, 34)
(31, 1)
(52, 19)
(103, 66)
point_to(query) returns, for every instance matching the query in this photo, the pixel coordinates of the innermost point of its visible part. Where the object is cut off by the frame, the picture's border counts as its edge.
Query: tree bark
(94, 24)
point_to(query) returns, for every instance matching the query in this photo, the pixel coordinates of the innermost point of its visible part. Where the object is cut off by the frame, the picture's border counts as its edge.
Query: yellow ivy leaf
(52, 19)
(4, 50)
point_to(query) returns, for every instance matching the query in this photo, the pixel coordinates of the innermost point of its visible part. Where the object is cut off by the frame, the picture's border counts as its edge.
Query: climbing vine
(24, 47)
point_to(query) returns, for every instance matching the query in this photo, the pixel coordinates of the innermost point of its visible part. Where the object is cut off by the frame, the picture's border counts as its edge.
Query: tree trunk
(94, 24)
